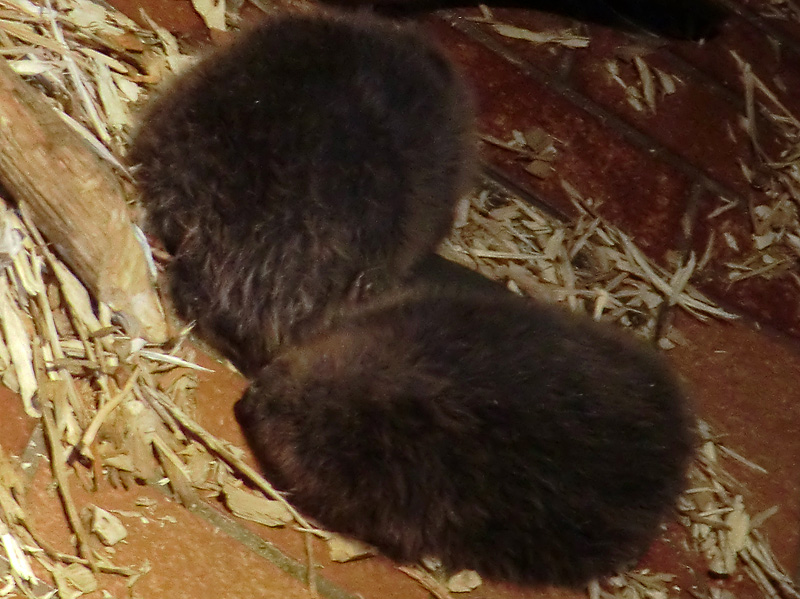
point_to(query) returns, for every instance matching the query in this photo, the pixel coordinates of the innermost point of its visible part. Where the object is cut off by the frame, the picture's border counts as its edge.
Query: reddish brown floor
(657, 176)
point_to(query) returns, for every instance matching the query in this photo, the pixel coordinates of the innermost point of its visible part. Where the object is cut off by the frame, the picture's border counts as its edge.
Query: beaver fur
(494, 433)
(315, 158)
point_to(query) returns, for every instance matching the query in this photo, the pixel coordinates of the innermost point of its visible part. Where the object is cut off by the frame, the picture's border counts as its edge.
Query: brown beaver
(484, 429)
(313, 159)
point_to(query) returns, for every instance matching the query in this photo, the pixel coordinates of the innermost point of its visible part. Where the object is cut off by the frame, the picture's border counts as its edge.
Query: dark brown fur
(482, 428)
(314, 158)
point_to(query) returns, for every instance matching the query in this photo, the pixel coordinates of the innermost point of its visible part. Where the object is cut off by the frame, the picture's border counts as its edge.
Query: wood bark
(77, 202)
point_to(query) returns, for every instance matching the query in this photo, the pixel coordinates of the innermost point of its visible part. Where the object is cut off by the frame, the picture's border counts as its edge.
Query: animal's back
(496, 434)
(311, 153)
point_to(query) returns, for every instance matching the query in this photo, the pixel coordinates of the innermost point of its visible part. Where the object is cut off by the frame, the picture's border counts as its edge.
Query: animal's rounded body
(494, 433)
(313, 158)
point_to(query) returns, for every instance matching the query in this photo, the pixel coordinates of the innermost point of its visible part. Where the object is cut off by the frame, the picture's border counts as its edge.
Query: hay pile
(117, 411)
(589, 265)
(94, 63)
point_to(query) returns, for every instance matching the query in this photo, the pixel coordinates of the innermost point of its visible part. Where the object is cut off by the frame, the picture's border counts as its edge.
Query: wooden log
(78, 203)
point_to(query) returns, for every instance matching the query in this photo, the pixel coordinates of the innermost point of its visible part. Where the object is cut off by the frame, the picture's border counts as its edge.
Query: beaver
(492, 432)
(314, 160)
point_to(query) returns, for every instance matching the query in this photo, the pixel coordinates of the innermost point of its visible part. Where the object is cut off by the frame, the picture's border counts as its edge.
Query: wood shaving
(774, 220)
(640, 584)
(535, 146)
(464, 581)
(341, 549)
(563, 37)
(428, 582)
(106, 526)
(212, 12)
(785, 10)
(644, 85)
(588, 265)
(255, 507)
(714, 511)
(73, 581)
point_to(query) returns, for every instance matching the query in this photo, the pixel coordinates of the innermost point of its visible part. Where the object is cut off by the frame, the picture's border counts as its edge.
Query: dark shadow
(680, 19)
